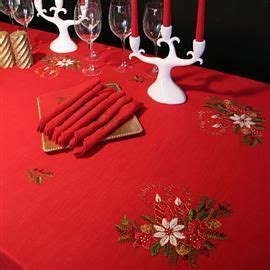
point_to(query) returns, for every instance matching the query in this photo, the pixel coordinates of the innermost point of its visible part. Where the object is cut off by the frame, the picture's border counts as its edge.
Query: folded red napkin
(82, 89)
(126, 112)
(81, 112)
(84, 132)
(92, 115)
(64, 115)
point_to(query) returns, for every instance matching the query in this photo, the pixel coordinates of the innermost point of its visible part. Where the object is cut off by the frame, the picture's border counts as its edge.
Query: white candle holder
(164, 89)
(63, 43)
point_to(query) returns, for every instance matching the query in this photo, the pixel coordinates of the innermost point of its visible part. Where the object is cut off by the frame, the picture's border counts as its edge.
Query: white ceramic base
(165, 90)
(63, 44)
(60, 45)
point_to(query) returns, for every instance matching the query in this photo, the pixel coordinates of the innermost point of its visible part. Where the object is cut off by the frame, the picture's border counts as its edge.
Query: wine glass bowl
(23, 12)
(88, 30)
(93, 55)
(7, 7)
(152, 22)
(120, 25)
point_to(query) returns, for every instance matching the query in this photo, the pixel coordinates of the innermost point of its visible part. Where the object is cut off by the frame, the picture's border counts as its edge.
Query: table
(68, 220)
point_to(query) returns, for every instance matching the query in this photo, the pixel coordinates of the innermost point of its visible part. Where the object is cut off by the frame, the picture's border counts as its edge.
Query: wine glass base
(94, 57)
(90, 72)
(123, 69)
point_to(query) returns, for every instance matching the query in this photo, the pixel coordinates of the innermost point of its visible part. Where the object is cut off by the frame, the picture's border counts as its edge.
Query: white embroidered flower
(65, 62)
(169, 232)
(242, 120)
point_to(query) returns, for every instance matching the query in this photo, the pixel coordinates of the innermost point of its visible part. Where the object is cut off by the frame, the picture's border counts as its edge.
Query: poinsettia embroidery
(53, 64)
(38, 175)
(221, 115)
(175, 228)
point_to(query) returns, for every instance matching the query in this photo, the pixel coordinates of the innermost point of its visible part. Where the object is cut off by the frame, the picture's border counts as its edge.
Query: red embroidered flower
(143, 240)
(195, 234)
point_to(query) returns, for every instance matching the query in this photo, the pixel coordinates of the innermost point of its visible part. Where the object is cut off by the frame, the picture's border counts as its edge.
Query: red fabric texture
(89, 117)
(67, 222)
(125, 113)
(82, 133)
(80, 113)
(9, 263)
(83, 90)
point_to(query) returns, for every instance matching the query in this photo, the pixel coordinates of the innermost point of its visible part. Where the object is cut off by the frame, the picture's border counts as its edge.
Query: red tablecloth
(67, 221)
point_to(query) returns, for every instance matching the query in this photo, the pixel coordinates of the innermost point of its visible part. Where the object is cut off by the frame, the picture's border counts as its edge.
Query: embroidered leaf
(39, 180)
(173, 256)
(154, 250)
(30, 175)
(202, 215)
(125, 239)
(133, 223)
(149, 219)
(237, 129)
(211, 204)
(258, 119)
(222, 211)
(192, 258)
(254, 143)
(209, 245)
(204, 252)
(259, 139)
(202, 203)
(166, 250)
(209, 105)
(216, 236)
(136, 78)
(125, 220)
(213, 224)
(121, 228)
(192, 214)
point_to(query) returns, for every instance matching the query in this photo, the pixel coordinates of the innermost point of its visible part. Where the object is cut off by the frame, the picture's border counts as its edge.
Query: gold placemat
(131, 127)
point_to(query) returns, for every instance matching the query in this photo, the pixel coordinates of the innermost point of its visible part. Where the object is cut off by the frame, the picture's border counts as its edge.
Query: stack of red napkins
(92, 114)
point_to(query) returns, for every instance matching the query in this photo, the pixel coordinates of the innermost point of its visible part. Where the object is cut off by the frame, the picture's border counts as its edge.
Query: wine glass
(88, 30)
(23, 12)
(93, 55)
(152, 21)
(120, 25)
(7, 7)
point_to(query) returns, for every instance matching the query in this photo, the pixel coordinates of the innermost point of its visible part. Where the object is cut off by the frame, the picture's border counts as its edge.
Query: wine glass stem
(156, 48)
(11, 19)
(155, 69)
(124, 63)
(91, 67)
(92, 51)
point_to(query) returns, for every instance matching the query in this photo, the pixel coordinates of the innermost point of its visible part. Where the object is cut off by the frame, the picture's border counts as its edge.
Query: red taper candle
(166, 13)
(134, 18)
(200, 20)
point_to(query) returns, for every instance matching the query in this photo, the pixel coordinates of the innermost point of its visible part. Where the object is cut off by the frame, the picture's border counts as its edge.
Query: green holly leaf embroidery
(154, 250)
